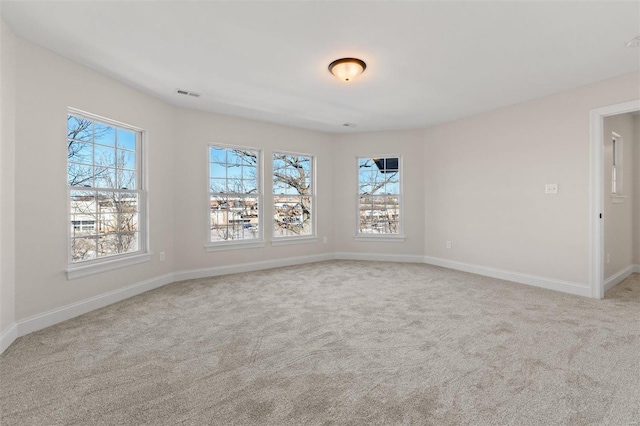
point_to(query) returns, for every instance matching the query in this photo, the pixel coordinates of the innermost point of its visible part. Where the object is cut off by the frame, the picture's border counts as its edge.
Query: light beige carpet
(342, 343)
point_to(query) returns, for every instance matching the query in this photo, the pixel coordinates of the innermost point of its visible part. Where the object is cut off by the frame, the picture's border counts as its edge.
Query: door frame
(596, 191)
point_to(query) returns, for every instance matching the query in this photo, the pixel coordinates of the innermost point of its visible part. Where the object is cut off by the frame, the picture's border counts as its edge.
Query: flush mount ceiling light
(346, 69)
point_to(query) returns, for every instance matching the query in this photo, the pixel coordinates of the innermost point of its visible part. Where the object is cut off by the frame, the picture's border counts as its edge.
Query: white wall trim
(55, 316)
(636, 269)
(619, 276)
(249, 267)
(8, 337)
(377, 257)
(543, 282)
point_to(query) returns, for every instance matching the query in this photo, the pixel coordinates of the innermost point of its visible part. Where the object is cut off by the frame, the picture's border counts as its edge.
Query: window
(105, 189)
(293, 195)
(379, 197)
(616, 166)
(234, 195)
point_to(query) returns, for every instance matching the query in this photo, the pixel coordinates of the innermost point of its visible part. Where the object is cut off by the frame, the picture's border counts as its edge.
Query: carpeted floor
(341, 342)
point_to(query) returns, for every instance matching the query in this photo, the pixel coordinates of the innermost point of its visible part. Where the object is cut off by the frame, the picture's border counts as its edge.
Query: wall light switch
(551, 188)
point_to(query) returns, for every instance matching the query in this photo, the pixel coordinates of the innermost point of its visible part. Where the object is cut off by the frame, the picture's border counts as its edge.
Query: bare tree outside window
(105, 195)
(292, 195)
(379, 196)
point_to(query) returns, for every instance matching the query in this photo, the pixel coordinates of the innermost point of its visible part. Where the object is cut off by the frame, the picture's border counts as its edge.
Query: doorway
(614, 193)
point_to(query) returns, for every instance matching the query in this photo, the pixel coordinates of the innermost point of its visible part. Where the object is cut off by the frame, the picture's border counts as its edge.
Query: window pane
(80, 152)
(105, 177)
(104, 135)
(126, 179)
(83, 202)
(217, 171)
(125, 159)
(83, 249)
(79, 175)
(218, 186)
(219, 214)
(105, 156)
(126, 139)
(79, 128)
(290, 215)
(217, 155)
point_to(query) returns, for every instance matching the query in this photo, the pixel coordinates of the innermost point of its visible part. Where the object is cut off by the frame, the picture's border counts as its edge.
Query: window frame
(212, 246)
(365, 237)
(295, 239)
(142, 254)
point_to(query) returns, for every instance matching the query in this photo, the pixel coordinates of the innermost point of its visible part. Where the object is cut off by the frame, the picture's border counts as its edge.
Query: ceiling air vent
(187, 93)
(634, 42)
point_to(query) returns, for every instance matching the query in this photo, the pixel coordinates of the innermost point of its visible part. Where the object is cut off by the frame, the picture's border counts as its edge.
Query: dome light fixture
(346, 69)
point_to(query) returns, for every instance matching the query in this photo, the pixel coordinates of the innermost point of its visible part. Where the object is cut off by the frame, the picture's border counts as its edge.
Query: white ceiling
(427, 62)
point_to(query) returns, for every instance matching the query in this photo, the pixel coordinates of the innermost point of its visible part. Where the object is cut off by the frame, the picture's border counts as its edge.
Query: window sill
(380, 238)
(618, 199)
(83, 270)
(224, 246)
(283, 241)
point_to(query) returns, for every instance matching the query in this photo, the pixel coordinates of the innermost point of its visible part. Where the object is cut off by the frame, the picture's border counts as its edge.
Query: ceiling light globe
(346, 69)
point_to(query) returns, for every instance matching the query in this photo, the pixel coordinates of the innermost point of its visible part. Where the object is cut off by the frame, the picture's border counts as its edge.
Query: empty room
(320, 213)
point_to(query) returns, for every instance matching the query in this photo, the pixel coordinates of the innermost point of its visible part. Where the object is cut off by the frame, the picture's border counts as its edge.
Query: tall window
(105, 189)
(234, 194)
(379, 196)
(293, 195)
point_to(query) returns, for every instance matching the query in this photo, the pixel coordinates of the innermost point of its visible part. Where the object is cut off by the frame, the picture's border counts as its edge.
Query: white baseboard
(55, 316)
(7, 338)
(620, 276)
(249, 267)
(403, 258)
(636, 269)
(548, 283)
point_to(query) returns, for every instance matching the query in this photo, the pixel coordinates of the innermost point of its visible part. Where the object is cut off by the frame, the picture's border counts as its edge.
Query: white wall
(618, 211)
(195, 130)
(410, 146)
(47, 85)
(7, 181)
(485, 178)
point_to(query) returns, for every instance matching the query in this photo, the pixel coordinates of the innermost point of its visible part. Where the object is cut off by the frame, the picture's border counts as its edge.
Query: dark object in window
(387, 165)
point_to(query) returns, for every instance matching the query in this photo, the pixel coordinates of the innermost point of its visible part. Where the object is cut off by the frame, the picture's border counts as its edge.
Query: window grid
(379, 196)
(234, 195)
(103, 177)
(293, 195)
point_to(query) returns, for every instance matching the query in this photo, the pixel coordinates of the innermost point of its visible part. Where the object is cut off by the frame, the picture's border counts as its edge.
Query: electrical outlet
(448, 244)
(324, 240)
(551, 188)
(162, 257)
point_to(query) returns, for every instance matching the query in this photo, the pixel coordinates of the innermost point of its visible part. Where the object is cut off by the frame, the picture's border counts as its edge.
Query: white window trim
(94, 266)
(302, 239)
(396, 238)
(295, 239)
(213, 246)
(79, 270)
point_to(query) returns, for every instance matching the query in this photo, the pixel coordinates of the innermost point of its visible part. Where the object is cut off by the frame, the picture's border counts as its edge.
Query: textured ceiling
(427, 62)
